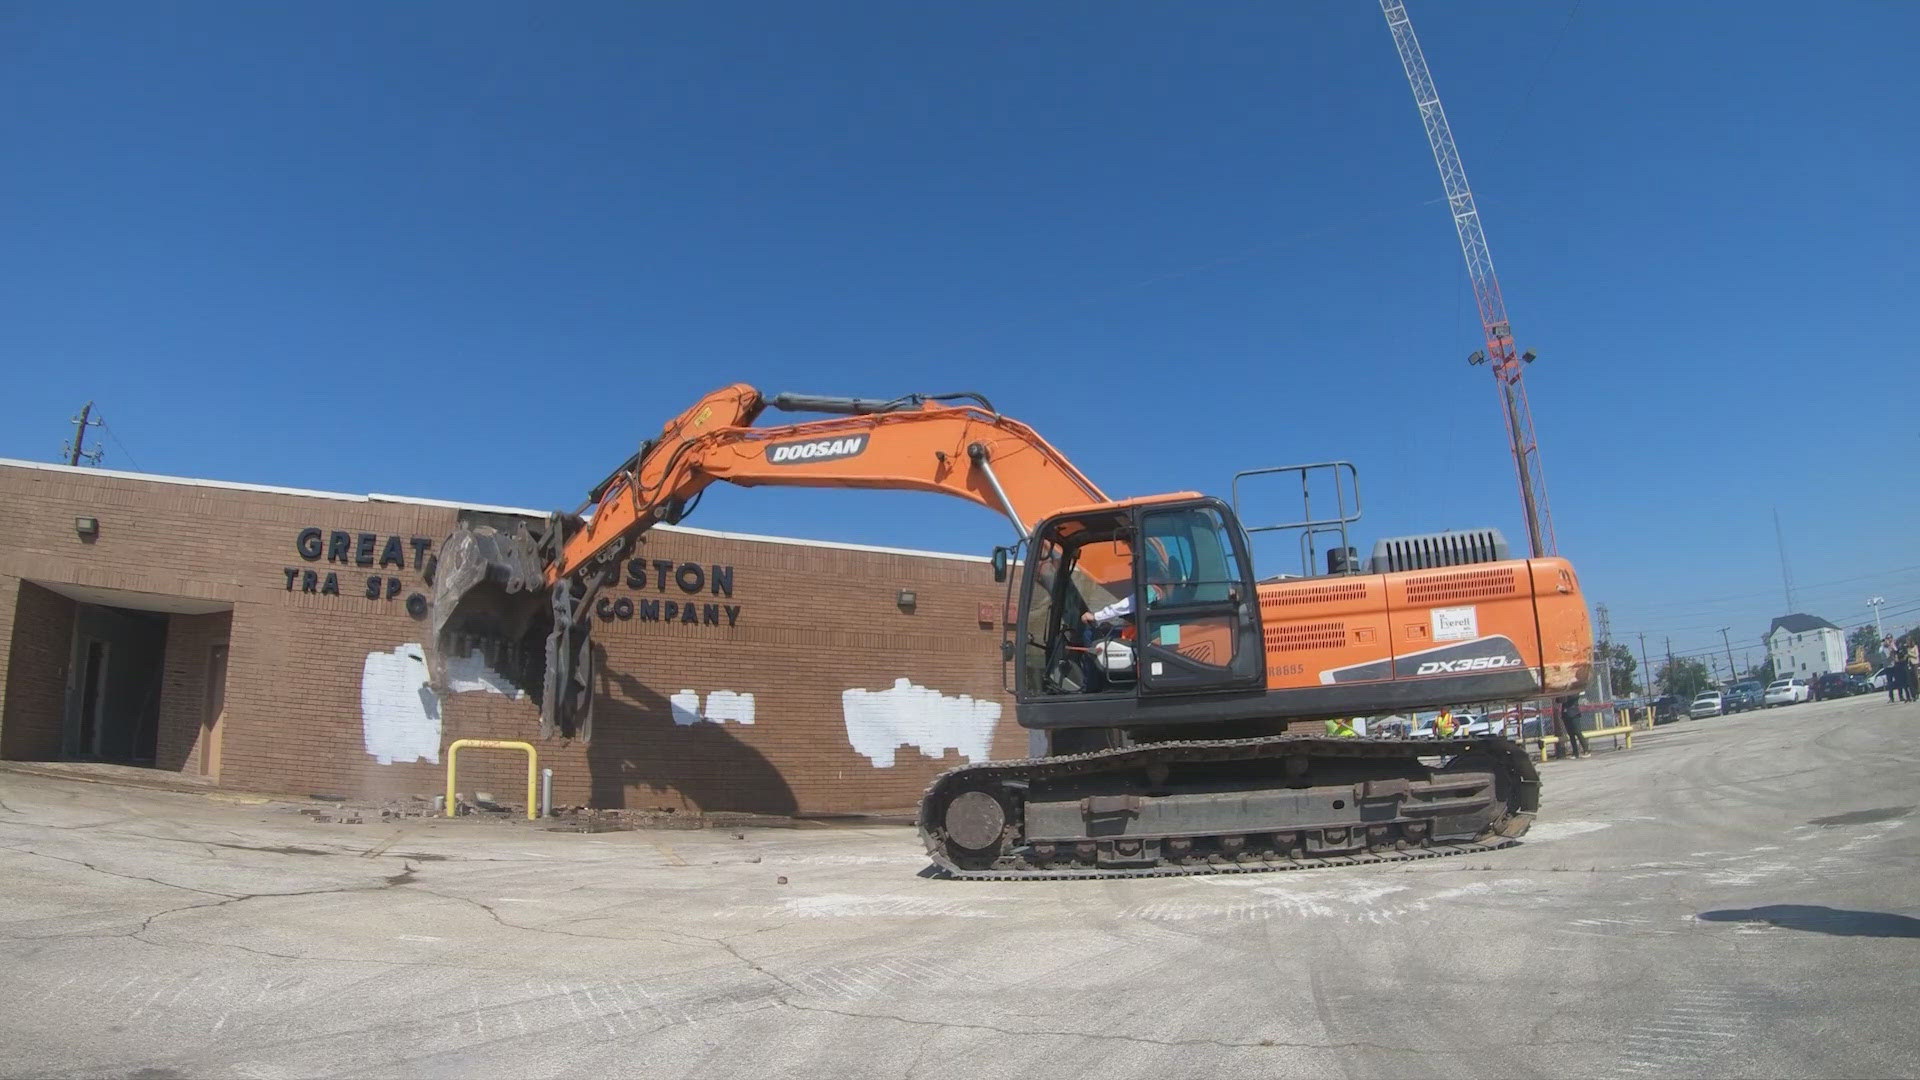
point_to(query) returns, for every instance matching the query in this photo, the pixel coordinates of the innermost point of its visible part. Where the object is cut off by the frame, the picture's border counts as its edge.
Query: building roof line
(410, 500)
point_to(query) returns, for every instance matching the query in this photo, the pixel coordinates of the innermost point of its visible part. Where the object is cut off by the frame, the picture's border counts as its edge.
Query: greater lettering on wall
(387, 555)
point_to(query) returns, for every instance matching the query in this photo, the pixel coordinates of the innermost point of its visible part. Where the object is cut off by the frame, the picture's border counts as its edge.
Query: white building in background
(1804, 646)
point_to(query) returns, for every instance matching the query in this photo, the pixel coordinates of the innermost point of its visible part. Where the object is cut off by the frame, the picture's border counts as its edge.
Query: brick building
(270, 639)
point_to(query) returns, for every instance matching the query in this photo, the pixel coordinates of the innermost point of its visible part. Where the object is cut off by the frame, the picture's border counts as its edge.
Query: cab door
(1193, 587)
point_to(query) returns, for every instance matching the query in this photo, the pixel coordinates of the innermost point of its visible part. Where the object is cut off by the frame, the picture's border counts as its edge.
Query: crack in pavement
(128, 877)
(534, 929)
(309, 959)
(62, 828)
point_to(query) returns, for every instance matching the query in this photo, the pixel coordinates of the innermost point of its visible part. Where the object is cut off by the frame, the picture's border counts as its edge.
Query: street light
(1874, 602)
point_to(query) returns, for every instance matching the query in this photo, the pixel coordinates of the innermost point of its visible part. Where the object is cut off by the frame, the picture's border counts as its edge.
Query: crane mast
(1507, 365)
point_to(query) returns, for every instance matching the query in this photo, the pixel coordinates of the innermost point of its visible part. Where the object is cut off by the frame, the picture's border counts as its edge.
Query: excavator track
(1283, 802)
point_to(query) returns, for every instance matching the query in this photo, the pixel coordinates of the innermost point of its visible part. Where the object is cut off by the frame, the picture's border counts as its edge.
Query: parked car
(1707, 704)
(1668, 708)
(1834, 684)
(1879, 679)
(1862, 684)
(1742, 696)
(1788, 692)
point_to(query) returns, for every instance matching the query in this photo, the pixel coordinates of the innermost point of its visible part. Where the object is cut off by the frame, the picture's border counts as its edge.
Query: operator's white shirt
(1124, 606)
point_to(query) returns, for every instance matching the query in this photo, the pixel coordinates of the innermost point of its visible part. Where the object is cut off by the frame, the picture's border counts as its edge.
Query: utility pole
(1605, 665)
(1731, 673)
(1874, 602)
(1669, 665)
(1644, 666)
(76, 450)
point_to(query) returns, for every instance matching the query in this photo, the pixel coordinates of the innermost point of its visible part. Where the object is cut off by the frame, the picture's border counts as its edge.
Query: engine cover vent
(1429, 551)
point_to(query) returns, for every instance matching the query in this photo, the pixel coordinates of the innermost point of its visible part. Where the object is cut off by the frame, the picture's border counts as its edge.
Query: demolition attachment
(493, 605)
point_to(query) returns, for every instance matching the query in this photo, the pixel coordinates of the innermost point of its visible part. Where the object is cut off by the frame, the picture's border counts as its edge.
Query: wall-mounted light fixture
(905, 599)
(86, 527)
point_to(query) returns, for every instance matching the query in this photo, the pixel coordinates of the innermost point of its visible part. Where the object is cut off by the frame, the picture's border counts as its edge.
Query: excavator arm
(521, 597)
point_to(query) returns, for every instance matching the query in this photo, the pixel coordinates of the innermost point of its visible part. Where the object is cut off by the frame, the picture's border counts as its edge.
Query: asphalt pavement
(1731, 897)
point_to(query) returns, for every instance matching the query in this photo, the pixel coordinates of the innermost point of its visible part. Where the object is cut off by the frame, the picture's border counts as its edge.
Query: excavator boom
(520, 595)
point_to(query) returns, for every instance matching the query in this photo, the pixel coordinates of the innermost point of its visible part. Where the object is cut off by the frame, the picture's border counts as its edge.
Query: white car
(1707, 704)
(1788, 692)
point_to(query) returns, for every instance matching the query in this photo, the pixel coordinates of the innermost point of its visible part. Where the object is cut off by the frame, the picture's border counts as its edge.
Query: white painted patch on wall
(470, 673)
(879, 722)
(399, 716)
(723, 706)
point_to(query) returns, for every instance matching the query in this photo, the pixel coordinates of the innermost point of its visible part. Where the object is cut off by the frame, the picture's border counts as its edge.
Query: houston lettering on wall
(684, 593)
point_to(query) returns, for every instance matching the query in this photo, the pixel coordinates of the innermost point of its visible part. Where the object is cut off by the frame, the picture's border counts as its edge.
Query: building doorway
(113, 693)
(99, 674)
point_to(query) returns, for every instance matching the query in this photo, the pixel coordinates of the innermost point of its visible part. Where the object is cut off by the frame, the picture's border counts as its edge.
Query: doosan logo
(795, 453)
(1472, 663)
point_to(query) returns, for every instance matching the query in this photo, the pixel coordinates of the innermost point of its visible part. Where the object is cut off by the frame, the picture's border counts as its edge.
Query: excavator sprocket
(1283, 802)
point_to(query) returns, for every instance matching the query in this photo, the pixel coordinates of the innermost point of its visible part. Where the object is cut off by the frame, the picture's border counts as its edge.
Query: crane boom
(1507, 366)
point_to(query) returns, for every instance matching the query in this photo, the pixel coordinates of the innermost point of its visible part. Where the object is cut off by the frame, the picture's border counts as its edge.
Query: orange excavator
(1169, 685)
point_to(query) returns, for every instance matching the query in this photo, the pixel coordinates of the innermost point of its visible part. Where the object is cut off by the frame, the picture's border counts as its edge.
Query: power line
(111, 434)
(1912, 607)
(1546, 64)
(1769, 592)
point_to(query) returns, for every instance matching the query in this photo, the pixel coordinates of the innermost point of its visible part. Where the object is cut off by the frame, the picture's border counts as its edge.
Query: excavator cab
(1143, 598)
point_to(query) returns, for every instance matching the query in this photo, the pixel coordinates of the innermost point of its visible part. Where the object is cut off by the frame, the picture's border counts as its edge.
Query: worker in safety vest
(1443, 725)
(1341, 729)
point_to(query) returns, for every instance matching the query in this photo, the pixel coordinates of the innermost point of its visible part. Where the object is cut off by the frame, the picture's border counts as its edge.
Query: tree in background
(1864, 642)
(1762, 673)
(1685, 678)
(1620, 668)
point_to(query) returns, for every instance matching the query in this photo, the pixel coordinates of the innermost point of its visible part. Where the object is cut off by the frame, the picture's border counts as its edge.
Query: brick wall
(183, 694)
(39, 628)
(809, 624)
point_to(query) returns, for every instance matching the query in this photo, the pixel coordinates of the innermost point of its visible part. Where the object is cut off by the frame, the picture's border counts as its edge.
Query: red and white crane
(1507, 365)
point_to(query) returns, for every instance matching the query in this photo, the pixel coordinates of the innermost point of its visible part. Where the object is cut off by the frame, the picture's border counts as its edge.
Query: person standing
(1572, 737)
(1443, 725)
(1910, 655)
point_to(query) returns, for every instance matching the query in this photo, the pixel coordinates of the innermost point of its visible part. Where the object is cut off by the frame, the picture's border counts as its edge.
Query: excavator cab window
(1201, 628)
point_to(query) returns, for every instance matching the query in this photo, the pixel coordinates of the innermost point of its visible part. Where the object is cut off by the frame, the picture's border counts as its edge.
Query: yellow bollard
(533, 769)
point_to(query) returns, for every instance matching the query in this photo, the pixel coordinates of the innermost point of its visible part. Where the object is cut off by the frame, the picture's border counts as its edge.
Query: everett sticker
(1455, 623)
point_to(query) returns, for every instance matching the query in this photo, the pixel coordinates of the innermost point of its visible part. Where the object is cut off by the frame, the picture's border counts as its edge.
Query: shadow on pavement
(1863, 817)
(1822, 920)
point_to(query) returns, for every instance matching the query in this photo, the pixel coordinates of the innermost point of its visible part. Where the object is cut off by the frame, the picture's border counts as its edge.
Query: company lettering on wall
(692, 594)
(389, 552)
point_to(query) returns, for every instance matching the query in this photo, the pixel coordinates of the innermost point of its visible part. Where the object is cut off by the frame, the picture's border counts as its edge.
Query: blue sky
(477, 251)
